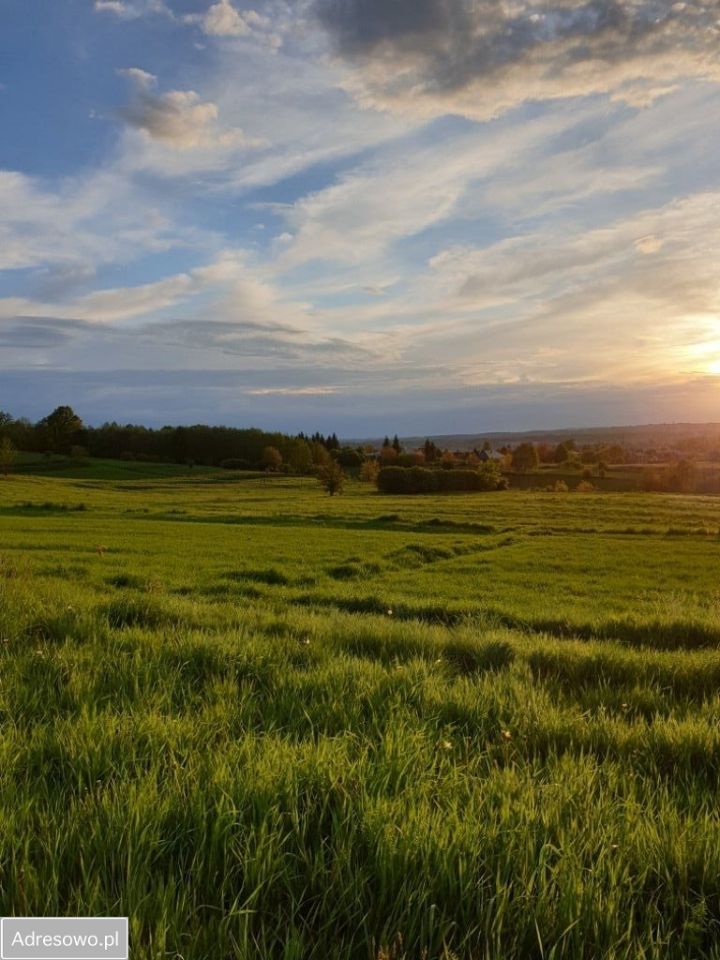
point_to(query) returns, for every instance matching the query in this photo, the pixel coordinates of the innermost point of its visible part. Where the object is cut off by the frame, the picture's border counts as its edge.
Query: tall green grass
(315, 734)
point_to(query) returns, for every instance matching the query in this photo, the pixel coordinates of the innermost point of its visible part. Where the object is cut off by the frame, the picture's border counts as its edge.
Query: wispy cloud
(291, 392)
(404, 191)
(66, 225)
(132, 9)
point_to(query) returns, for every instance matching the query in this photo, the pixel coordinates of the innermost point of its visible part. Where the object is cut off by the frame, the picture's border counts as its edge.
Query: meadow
(267, 723)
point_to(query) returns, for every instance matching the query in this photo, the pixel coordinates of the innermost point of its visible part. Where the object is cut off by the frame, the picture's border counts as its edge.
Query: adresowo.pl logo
(64, 938)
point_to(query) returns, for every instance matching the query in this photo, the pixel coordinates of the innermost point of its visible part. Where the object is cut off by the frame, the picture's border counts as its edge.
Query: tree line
(63, 432)
(394, 469)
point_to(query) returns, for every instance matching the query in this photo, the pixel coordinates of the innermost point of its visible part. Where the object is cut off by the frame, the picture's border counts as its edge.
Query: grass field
(265, 723)
(95, 468)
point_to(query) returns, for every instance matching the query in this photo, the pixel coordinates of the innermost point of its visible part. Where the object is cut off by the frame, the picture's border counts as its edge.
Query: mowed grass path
(267, 723)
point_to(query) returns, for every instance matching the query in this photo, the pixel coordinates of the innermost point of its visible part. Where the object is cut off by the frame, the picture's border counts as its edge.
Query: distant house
(486, 455)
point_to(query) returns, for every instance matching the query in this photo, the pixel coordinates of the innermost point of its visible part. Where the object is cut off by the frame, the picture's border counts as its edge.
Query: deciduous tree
(60, 428)
(525, 458)
(272, 459)
(331, 477)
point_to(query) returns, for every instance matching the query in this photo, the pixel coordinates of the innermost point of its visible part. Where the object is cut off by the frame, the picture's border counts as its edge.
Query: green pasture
(96, 468)
(267, 723)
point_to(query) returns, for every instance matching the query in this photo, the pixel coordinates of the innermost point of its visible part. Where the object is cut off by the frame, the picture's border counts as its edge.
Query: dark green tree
(525, 457)
(299, 456)
(61, 428)
(431, 451)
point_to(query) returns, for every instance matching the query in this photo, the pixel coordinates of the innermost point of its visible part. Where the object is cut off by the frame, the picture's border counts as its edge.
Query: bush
(682, 477)
(369, 471)
(584, 487)
(331, 477)
(409, 460)
(348, 457)
(559, 487)
(407, 480)
(422, 480)
(651, 482)
(271, 459)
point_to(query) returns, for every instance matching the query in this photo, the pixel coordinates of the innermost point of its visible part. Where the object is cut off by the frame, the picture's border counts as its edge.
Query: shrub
(651, 481)
(369, 471)
(584, 487)
(348, 457)
(407, 480)
(331, 477)
(684, 477)
(409, 460)
(271, 459)
(422, 480)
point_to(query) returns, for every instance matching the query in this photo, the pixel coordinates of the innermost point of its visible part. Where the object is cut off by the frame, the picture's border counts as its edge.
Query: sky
(366, 216)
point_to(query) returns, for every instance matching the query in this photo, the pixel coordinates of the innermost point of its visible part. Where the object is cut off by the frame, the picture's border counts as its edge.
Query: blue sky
(362, 216)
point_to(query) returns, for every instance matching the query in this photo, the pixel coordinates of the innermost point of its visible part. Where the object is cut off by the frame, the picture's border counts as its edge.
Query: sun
(704, 355)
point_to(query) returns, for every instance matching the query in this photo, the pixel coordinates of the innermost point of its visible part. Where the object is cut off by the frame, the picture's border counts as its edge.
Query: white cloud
(291, 392)
(223, 20)
(649, 244)
(179, 118)
(112, 6)
(132, 9)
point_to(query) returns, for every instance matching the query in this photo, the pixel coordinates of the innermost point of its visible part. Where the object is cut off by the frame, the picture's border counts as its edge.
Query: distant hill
(641, 436)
